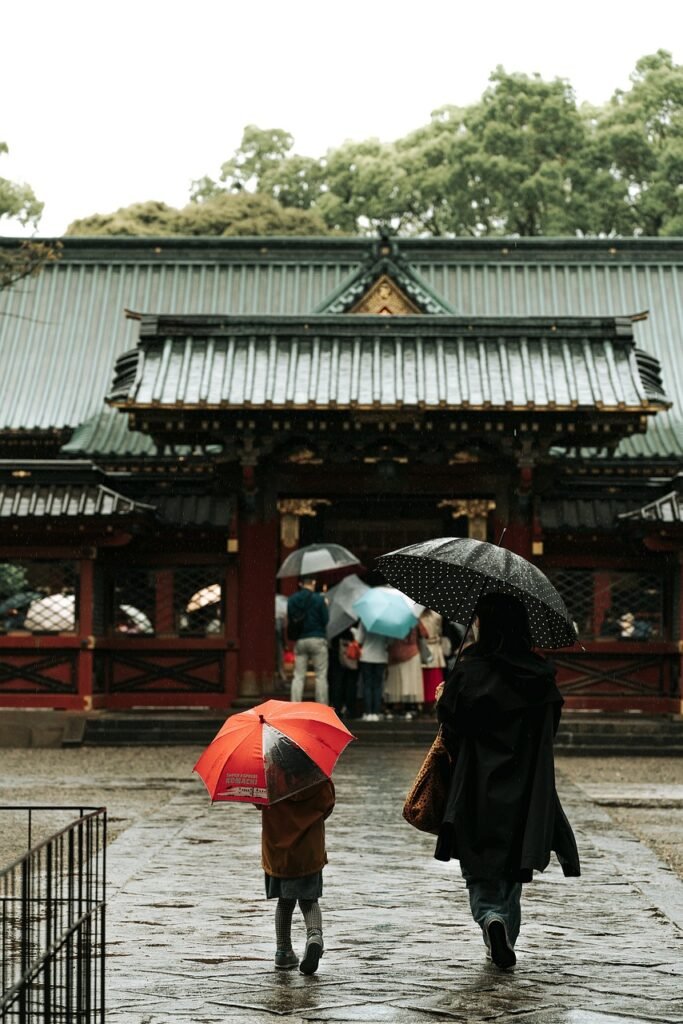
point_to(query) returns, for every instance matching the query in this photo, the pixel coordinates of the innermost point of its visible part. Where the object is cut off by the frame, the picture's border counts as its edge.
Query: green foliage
(523, 160)
(221, 213)
(259, 150)
(641, 137)
(13, 579)
(246, 213)
(151, 218)
(18, 201)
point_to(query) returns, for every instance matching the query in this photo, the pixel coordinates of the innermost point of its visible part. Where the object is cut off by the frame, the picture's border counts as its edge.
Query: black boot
(502, 955)
(314, 950)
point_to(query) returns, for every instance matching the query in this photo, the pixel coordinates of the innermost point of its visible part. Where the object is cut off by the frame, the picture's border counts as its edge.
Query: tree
(150, 218)
(504, 165)
(523, 160)
(259, 150)
(527, 135)
(222, 213)
(19, 202)
(641, 140)
(246, 213)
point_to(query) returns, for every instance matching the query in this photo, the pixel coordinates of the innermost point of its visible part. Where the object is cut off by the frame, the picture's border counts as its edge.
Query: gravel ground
(639, 793)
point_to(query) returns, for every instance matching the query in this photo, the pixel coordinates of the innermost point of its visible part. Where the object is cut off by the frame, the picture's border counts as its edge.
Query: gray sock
(313, 919)
(283, 924)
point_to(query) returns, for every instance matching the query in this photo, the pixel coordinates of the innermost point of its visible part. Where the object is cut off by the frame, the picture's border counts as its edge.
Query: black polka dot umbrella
(450, 574)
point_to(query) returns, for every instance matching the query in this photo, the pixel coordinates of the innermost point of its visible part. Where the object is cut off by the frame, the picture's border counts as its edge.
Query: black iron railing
(52, 922)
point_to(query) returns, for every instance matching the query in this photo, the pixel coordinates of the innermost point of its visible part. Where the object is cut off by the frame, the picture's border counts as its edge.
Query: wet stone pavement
(191, 938)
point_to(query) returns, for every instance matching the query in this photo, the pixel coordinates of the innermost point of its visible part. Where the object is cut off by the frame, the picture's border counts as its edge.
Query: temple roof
(70, 489)
(581, 515)
(32, 489)
(388, 362)
(61, 332)
(386, 268)
(666, 509)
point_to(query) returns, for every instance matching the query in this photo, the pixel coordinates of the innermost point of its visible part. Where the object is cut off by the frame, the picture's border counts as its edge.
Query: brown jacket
(293, 836)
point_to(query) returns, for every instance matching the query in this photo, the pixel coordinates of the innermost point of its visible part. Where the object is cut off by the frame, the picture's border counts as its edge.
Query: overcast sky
(109, 104)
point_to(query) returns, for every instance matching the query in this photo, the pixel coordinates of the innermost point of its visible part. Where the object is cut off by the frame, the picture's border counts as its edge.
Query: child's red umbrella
(271, 751)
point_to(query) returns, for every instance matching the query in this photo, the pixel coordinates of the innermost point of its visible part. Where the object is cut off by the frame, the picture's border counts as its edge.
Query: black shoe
(286, 960)
(314, 950)
(502, 955)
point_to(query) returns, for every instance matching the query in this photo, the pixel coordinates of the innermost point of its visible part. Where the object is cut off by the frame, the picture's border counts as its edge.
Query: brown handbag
(426, 802)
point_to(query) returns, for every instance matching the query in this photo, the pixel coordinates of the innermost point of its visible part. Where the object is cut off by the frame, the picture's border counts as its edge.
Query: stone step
(625, 736)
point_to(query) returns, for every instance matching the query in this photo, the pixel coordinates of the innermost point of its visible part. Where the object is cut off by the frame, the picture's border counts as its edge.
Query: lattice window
(132, 604)
(198, 601)
(609, 604)
(38, 597)
(168, 601)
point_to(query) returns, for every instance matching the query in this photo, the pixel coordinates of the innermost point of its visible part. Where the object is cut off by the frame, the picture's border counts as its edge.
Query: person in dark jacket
(499, 712)
(308, 610)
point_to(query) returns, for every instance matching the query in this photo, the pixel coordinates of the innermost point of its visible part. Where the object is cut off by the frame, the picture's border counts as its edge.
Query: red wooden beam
(86, 599)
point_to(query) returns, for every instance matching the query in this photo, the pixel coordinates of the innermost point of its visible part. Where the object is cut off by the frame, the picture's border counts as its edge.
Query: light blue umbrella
(385, 612)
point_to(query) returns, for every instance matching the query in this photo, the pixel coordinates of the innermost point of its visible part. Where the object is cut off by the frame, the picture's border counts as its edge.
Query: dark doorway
(373, 525)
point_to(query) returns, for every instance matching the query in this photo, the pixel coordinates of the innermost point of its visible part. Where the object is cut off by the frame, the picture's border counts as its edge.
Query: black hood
(511, 679)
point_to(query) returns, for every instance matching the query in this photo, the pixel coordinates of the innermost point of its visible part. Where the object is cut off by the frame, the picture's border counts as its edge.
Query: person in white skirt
(404, 675)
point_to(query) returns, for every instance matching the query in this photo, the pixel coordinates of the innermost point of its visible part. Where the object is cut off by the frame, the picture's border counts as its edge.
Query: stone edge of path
(658, 883)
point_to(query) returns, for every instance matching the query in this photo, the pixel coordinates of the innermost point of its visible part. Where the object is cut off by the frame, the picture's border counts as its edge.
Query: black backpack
(296, 619)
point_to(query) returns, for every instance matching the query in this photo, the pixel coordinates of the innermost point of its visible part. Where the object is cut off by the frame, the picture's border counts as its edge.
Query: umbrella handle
(462, 642)
(469, 624)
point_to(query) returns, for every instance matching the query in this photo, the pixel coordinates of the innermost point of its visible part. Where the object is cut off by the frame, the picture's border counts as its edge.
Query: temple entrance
(371, 526)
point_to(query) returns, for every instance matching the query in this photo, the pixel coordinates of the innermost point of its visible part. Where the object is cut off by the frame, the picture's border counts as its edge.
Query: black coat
(503, 817)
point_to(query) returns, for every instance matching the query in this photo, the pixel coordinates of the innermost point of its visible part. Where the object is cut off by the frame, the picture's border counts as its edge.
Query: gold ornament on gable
(385, 298)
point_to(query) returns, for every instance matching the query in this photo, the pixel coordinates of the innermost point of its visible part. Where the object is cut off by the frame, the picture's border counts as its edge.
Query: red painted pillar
(164, 623)
(258, 551)
(86, 598)
(602, 600)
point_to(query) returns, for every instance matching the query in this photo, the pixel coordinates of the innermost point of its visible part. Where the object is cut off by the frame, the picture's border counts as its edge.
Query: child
(293, 856)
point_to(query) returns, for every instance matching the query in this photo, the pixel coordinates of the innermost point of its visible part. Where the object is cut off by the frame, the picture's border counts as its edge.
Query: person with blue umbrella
(390, 622)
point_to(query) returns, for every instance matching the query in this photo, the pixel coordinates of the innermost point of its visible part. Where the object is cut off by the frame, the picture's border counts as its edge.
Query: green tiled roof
(106, 433)
(60, 501)
(69, 489)
(582, 514)
(390, 362)
(389, 262)
(59, 491)
(61, 333)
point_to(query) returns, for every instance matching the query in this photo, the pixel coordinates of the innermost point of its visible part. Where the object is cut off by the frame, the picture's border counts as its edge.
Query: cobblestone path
(191, 939)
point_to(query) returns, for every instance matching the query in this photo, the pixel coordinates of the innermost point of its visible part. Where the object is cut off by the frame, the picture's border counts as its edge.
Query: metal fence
(52, 922)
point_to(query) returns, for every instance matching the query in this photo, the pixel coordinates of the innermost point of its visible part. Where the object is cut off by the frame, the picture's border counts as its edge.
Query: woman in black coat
(499, 712)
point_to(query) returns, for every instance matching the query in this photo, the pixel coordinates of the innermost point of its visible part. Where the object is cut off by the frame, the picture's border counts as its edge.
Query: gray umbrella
(450, 574)
(317, 560)
(340, 599)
